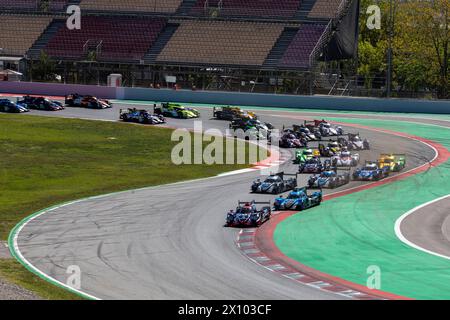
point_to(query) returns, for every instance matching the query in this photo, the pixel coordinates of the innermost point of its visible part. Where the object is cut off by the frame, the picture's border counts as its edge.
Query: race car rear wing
(122, 111)
(253, 202)
(283, 174)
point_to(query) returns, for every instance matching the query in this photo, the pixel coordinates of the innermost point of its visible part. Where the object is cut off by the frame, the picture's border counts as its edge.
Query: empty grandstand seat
(19, 32)
(57, 5)
(32, 5)
(19, 4)
(119, 38)
(260, 8)
(221, 43)
(327, 9)
(163, 6)
(299, 50)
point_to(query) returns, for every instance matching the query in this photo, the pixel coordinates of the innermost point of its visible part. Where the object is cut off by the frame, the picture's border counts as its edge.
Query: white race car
(355, 142)
(345, 159)
(327, 130)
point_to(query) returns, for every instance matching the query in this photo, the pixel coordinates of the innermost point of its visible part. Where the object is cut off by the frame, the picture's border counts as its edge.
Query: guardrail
(234, 98)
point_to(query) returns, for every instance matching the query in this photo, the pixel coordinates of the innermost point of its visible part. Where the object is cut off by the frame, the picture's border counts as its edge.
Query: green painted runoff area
(346, 235)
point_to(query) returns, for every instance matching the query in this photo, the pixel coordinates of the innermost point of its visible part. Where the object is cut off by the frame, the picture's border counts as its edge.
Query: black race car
(310, 134)
(275, 184)
(248, 215)
(140, 116)
(290, 140)
(40, 103)
(314, 165)
(354, 142)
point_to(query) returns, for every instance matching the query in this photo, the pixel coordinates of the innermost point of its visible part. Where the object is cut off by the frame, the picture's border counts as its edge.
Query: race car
(246, 124)
(330, 150)
(324, 128)
(345, 159)
(248, 215)
(370, 172)
(303, 155)
(314, 165)
(275, 184)
(87, 101)
(290, 140)
(329, 179)
(40, 103)
(173, 110)
(298, 200)
(395, 162)
(355, 142)
(140, 116)
(306, 133)
(232, 113)
(251, 129)
(8, 106)
(313, 128)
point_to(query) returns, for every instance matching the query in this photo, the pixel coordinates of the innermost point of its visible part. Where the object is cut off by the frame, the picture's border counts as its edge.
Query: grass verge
(45, 161)
(11, 270)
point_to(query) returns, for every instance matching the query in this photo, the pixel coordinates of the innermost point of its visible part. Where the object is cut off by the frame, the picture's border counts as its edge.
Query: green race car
(303, 155)
(174, 110)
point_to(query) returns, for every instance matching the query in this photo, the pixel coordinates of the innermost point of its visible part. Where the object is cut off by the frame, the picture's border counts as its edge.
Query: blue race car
(8, 106)
(314, 165)
(370, 172)
(329, 179)
(248, 215)
(298, 200)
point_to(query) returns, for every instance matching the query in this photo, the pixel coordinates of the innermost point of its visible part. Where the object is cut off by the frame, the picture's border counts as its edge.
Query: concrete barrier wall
(290, 101)
(234, 98)
(55, 89)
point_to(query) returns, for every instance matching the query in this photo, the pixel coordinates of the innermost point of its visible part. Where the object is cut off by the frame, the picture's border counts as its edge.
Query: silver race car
(345, 159)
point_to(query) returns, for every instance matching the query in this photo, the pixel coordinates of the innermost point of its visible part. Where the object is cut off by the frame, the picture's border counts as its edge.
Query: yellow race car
(232, 113)
(395, 162)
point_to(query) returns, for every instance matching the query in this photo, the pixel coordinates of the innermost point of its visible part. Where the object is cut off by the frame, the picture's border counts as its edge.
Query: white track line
(31, 266)
(399, 234)
(44, 275)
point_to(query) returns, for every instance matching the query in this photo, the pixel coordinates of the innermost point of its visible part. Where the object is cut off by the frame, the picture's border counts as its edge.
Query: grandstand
(236, 42)
(221, 43)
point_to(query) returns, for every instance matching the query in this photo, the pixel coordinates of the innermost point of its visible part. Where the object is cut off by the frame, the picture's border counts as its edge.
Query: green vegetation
(45, 161)
(420, 44)
(13, 271)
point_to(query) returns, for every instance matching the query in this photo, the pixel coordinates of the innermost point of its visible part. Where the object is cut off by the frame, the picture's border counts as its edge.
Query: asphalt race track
(169, 242)
(430, 231)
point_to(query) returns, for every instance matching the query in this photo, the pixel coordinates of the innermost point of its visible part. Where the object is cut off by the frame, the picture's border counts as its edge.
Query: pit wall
(234, 98)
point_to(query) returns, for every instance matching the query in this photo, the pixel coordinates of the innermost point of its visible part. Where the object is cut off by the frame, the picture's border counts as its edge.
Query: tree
(423, 37)
(420, 45)
(44, 69)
